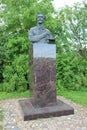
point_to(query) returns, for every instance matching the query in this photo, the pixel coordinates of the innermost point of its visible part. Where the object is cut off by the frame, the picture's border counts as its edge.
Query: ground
(13, 118)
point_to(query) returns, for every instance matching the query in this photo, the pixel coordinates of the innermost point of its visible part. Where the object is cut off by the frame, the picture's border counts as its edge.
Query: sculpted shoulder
(47, 30)
(33, 28)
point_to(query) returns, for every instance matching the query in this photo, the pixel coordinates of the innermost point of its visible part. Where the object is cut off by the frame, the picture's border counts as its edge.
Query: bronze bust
(39, 34)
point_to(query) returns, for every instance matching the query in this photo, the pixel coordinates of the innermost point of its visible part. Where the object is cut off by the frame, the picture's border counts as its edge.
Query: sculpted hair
(41, 14)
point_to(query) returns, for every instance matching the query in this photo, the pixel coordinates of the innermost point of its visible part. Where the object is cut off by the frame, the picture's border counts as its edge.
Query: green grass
(1, 115)
(1, 127)
(1, 118)
(76, 96)
(5, 95)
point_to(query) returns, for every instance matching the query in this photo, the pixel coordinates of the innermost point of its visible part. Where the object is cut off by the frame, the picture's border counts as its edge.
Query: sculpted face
(40, 18)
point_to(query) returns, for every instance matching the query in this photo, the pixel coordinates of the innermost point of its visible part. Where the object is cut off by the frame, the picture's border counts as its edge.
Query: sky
(61, 3)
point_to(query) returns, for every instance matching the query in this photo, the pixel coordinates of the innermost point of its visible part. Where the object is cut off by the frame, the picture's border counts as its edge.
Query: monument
(42, 63)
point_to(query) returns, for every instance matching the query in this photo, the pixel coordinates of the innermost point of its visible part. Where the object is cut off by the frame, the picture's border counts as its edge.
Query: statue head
(40, 18)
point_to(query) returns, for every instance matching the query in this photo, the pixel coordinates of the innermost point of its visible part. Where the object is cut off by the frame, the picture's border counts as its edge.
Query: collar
(41, 27)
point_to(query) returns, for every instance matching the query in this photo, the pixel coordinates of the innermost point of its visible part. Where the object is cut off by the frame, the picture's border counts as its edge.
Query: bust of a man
(39, 34)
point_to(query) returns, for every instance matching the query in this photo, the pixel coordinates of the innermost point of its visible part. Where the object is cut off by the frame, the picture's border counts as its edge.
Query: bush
(71, 70)
(16, 65)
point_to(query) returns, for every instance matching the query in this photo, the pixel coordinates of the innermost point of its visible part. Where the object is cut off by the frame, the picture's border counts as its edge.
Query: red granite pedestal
(44, 102)
(30, 112)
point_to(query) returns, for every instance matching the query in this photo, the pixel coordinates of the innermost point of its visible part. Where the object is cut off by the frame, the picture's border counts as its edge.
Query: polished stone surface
(44, 66)
(30, 112)
(44, 102)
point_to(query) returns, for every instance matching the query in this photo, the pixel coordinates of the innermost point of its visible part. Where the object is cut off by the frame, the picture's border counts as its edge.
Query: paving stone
(15, 129)
(13, 118)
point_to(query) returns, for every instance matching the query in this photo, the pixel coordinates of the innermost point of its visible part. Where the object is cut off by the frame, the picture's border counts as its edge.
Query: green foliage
(16, 65)
(71, 71)
(19, 17)
(73, 23)
(71, 54)
(69, 29)
(2, 51)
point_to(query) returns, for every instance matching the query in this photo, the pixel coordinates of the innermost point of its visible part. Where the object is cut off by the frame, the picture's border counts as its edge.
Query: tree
(73, 22)
(68, 26)
(18, 17)
(71, 37)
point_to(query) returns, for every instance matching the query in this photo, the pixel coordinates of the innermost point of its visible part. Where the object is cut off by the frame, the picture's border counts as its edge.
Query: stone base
(30, 112)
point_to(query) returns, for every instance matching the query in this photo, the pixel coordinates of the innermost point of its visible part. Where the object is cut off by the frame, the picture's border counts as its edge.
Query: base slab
(29, 112)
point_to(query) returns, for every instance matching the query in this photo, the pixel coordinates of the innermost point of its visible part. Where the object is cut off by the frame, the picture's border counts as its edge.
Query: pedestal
(44, 102)
(44, 66)
(30, 112)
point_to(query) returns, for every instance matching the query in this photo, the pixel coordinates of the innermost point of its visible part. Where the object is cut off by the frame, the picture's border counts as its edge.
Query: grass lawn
(1, 119)
(1, 128)
(1, 114)
(76, 96)
(4, 95)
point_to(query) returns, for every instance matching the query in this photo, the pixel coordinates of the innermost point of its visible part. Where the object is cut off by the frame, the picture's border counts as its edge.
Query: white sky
(61, 3)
